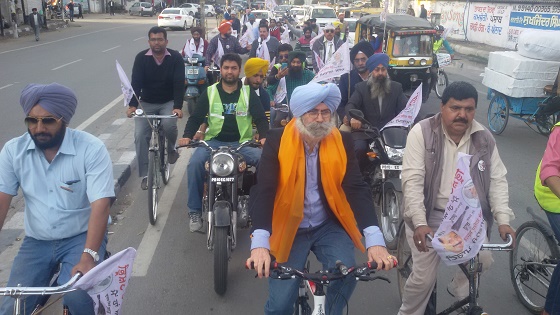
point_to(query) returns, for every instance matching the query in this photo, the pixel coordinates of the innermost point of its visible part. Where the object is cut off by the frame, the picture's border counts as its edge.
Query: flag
(126, 87)
(318, 60)
(406, 117)
(246, 38)
(271, 5)
(281, 91)
(316, 37)
(285, 36)
(271, 64)
(107, 282)
(463, 228)
(219, 53)
(262, 52)
(336, 66)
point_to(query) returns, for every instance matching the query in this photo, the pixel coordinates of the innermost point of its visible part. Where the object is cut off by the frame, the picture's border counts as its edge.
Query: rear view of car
(209, 10)
(142, 9)
(175, 18)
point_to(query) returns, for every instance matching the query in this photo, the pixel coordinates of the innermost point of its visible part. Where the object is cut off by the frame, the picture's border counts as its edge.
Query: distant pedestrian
(80, 11)
(70, 6)
(410, 11)
(35, 22)
(111, 7)
(423, 12)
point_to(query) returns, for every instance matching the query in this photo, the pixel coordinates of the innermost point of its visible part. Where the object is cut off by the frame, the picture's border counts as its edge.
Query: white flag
(244, 40)
(271, 64)
(318, 61)
(271, 4)
(107, 282)
(463, 228)
(285, 36)
(281, 91)
(262, 52)
(316, 37)
(126, 87)
(336, 66)
(406, 117)
(219, 53)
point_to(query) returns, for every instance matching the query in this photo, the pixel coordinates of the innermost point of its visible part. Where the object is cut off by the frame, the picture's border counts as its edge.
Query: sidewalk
(476, 52)
(25, 30)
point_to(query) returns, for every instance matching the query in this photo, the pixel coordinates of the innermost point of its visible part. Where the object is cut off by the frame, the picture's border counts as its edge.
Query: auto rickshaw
(408, 41)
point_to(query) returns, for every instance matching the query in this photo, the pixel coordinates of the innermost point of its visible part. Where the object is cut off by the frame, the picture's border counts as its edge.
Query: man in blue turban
(66, 177)
(379, 98)
(301, 166)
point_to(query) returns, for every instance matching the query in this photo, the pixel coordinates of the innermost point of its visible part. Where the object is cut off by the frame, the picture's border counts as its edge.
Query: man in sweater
(158, 79)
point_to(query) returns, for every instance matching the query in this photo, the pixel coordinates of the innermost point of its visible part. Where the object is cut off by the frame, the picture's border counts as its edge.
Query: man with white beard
(379, 98)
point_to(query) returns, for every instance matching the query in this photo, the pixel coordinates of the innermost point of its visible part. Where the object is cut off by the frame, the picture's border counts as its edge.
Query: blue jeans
(329, 242)
(552, 304)
(196, 173)
(36, 263)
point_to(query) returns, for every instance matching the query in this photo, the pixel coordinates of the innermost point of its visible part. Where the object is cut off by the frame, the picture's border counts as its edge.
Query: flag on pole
(262, 51)
(316, 38)
(336, 66)
(107, 282)
(245, 40)
(319, 61)
(285, 36)
(281, 91)
(219, 53)
(406, 117)
(126, 87)
(271, 5)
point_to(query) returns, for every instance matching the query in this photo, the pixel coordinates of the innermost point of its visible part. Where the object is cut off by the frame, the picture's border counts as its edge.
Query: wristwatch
(93, 254)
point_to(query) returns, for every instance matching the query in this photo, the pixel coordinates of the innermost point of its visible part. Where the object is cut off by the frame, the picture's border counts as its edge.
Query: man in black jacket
(158, 79)
(379, 98)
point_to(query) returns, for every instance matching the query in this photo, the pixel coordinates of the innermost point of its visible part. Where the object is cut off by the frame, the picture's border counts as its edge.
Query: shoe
(195, 224)
(144, 184)
(172, 156)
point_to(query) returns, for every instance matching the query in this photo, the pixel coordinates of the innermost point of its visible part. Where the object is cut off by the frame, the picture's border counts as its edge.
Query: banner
(336, 66)
(107, 282)
(463, 228)
(406, 117)
(126, 87)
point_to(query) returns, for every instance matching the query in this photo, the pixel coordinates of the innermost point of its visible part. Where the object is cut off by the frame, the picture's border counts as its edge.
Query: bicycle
(532, 261)
(314, 283)
(19, 292)
(471, 270)
(443, 60)
(158, 164)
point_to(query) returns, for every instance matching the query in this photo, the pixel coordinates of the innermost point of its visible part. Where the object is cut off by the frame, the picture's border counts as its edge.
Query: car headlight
(423, 62)
(395, 155)
(411, 61)
(222, 164)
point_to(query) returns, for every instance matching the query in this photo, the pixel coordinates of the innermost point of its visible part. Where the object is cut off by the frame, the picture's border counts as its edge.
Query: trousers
(422, 280)
(143, 132)
(552, 304)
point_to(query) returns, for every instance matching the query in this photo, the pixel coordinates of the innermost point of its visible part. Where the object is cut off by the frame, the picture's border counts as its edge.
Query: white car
(209, 10)
(141, 9)
(192, 8)
(262, 14)
(323, 14)
(175, 18)
(351, 31)
(297, 13)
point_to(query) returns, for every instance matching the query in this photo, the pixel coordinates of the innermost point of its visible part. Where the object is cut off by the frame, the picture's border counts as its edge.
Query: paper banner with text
(336, 66)
(463, 228)
(406, 117)
(107, 282)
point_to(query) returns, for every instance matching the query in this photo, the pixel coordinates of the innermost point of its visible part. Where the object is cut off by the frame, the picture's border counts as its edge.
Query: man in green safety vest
(231, 108)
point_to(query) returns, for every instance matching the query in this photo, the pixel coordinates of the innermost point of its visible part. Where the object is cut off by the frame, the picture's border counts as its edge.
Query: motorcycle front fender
(222, 212)
(394, 183)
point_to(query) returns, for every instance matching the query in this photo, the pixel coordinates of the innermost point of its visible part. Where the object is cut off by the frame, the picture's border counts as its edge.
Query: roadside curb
(25, 30)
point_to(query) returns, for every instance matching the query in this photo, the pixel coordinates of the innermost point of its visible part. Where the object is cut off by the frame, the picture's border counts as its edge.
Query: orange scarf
(288, 204)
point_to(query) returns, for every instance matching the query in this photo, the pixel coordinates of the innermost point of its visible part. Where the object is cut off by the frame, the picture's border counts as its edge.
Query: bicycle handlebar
(498, 247)
(154, 116)
(19, 291)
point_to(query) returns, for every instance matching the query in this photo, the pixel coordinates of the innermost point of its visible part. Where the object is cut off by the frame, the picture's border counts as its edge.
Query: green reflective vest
(546, 198)
(216, 117)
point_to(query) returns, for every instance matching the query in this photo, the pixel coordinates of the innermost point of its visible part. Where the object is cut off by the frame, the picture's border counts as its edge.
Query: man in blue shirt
(66, 178)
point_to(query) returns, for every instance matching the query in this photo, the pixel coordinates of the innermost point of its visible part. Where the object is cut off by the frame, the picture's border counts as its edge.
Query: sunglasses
(283, 56)
(48, 121)
(328, 31)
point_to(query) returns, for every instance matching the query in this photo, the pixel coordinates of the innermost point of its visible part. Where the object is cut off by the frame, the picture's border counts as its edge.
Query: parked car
(280, 10)
(298, 14)
(258, 5)
(141, 9)
(191, 7)
(175, 18)
(323, 14)
(209, 10)
(262, 14)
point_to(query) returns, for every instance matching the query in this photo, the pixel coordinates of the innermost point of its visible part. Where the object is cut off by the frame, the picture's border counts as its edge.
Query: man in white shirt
(325, 46)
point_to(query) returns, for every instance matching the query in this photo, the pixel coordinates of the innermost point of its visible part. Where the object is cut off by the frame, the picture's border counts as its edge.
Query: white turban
(307, 97)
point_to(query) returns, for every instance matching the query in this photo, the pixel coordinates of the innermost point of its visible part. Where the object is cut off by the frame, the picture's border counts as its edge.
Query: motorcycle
(383, 174)
(195, 80)
(225, 203)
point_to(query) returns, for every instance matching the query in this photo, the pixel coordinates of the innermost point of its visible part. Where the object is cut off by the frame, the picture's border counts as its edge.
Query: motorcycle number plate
(391, 167)
(222, 179)
(192, 71)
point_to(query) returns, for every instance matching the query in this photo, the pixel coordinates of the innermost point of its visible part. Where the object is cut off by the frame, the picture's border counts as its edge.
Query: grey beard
(379, 87)
(316, 130)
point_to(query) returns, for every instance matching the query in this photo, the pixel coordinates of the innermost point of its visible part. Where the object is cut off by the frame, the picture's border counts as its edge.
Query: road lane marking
(127, 158)
(5, 86)
(95, 116)
(152, 235)
(66, 64)
(106, 50)
(139, 38)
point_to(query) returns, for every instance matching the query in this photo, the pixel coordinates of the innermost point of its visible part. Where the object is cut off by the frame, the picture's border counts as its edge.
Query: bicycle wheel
(530, 275)
(163, 155)
(152, 186)
(221, 257)
(390, 220)
(441, 83)
(545, 123)
(498, 113)
(404, 256)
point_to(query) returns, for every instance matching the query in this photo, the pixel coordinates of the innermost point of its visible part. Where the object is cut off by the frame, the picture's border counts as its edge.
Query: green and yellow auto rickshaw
(408, 41)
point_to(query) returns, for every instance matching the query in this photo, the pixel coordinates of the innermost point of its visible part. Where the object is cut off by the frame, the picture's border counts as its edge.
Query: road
(173, 269)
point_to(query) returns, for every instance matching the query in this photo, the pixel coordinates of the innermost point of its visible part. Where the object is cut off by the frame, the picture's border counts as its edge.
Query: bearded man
(379, 98)
(304, 163)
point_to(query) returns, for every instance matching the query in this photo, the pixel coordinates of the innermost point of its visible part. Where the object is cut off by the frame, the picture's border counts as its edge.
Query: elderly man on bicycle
(427, 181)
(66, 177)
(310, 197)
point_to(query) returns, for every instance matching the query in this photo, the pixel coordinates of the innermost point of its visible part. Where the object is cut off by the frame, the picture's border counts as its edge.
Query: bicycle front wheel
(441, 83)
(152, 186)
(531, 265)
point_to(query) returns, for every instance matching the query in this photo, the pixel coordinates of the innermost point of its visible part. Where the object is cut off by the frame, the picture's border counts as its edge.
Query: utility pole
(203, 16)
(1, 22)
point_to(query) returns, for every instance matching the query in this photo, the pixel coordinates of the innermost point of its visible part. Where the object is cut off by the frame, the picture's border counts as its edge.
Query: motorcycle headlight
(395, 155)
(222, 164)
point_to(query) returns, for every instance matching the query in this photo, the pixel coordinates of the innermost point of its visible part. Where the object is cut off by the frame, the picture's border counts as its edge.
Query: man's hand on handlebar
(420, 237)
(356, 124)
(260, 258)
(381, 256)
(178, 112)
(504, 230)
(184, 141)
(85, 264)
(130, 111)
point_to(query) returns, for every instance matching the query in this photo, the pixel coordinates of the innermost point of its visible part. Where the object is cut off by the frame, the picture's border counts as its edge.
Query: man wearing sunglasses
(66, 177)
(325, 46)
(277, 72)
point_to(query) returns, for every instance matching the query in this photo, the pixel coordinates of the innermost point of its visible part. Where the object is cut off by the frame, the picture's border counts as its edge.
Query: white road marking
(106, 50)
(104, 136)
(95, 116)
(139, 38)
(119, 121)
(126, 158)
(150, 240)
(5, 86)
(66, 64)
